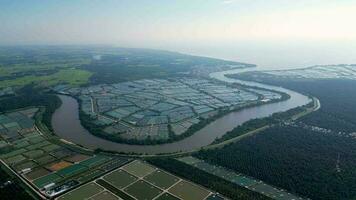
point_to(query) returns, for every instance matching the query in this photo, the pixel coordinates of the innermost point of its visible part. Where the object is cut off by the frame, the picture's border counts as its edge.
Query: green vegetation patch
(77, 158)
(11, 125)
(119, 178)
(71, 170)
(83, 192)
(36, 139)
(89, 175)
(13, 153)
(33, 153)
(26, 123)
(45, 180)
(44, 159)
(141, 190)
(32, 134)
(94, 161)
(61, 153)
(15, 159)
(161, 179)
(21, 144)
(38, 145)
(189, 191)
(138, 168)
(50, 147)
(68, 76)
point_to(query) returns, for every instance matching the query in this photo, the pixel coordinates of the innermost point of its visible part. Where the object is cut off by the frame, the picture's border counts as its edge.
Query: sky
(207, 27)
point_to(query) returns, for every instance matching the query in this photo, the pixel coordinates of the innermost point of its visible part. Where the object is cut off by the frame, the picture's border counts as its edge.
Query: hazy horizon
(272, 35)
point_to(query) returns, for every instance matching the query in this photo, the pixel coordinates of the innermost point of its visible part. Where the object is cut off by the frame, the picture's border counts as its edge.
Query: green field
(89, 175)
(50, 147)
(138, 168)
(82, 192)
(42, 67)
(36, 139)
(15, 159)
(119, 178)
(33, 153)
(45, 180)
(141, 190)
(188, 191)
(104, 196)
(71, 170)
(44, 159)
(13, 153)
(64, 76)
(96, 160)
(161, 179)
(38, 145)
(157, 184)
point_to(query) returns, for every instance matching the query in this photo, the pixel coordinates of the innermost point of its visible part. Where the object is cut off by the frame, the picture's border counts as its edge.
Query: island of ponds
(159, 109)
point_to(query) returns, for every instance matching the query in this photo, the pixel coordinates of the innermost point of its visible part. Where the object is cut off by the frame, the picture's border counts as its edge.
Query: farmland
(159, 109)
(138, 180)
(51, 168)
(47, 166)
(43, 66)
(68, 76)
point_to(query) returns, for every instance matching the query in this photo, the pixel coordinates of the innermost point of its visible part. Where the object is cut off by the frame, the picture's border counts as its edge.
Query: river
(66, 123)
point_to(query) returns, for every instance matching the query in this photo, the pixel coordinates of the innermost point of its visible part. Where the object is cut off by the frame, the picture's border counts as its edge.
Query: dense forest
(261, 122)
(300, 161)
(337, 98)
(207, 180)
(307, 162)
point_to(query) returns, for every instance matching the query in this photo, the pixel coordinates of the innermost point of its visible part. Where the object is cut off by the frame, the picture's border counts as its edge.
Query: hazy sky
(176, 24)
